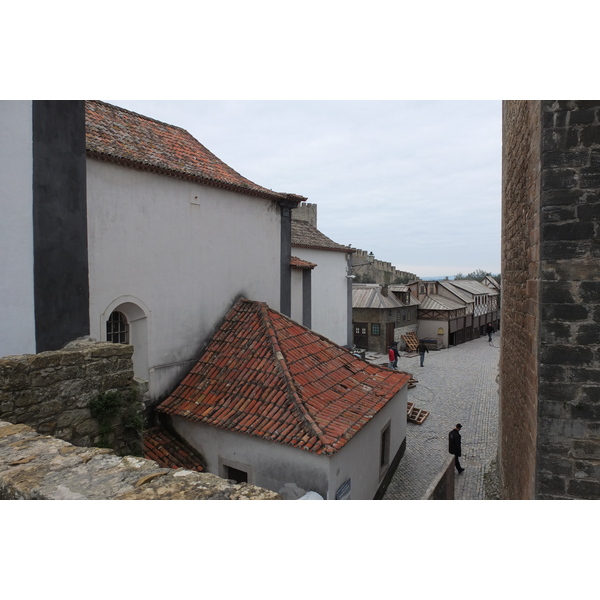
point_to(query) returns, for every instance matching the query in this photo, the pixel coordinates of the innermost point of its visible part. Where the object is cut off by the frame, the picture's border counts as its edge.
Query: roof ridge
(292, 394)
(137, 114)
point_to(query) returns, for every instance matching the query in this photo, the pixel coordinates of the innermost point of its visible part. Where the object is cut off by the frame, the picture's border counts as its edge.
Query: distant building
(382, 315)
(456, 311)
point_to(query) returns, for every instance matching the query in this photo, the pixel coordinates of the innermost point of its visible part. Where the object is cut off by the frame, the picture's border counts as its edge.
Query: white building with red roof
(274, 404)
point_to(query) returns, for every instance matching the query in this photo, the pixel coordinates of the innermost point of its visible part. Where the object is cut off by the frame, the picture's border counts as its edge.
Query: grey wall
(61, 288)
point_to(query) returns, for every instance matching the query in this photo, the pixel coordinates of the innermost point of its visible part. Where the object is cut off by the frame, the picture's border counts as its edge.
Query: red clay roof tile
(163, 448)
(279, 398)
(117, 135)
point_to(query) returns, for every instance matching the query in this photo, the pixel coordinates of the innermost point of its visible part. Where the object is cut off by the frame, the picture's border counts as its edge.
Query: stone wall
(40, 467)
(51, 391)
(442, 487)
(549, 444)
(521, 165)
(380, 272)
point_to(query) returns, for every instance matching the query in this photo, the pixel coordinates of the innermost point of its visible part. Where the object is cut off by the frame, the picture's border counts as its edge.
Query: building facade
(127, 229)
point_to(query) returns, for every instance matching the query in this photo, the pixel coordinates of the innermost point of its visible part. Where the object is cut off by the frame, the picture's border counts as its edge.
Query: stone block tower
(549, 438)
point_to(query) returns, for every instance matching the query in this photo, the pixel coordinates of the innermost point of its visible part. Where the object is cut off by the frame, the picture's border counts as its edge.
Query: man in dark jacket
(454, 446)
(489, 331)
(422, 348)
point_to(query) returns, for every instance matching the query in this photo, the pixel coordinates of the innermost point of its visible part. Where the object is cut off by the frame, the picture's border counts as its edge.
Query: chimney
(384, 290)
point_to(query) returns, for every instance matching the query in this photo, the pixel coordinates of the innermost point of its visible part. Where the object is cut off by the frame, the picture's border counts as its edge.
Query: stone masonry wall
(51, 391)
(569, 371)
(549, 443)
(40, 467)
(380, 272)
(521, 165)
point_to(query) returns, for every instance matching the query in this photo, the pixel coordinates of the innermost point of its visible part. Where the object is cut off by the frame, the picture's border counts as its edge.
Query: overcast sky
(416, 182)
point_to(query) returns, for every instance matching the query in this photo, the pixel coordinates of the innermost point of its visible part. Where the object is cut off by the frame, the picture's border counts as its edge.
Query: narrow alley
(456, 385)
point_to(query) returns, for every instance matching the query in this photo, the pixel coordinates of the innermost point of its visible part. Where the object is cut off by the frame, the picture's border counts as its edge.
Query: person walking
(422, 348)
(489, 331)
(454, 446)
(396, 354)
(391, 357)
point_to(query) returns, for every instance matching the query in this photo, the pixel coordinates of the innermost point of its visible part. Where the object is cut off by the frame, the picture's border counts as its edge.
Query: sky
(418, 183)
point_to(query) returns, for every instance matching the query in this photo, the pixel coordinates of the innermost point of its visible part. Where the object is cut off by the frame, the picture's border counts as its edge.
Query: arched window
(117, 328)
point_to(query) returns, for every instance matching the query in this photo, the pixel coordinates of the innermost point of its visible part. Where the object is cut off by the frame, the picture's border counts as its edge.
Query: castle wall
(521, 162)
(549, 442)
(51, 391)
(40, 467)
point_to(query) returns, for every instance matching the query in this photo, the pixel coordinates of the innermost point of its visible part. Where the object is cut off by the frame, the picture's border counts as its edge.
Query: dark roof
(117, 135)
(266, 376)
(305, 235)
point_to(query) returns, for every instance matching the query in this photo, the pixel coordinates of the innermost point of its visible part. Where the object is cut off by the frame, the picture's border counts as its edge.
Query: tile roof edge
(217, 183)
(291, 391)
(318, 247)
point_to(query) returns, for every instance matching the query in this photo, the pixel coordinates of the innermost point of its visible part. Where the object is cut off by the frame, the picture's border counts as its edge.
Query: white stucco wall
(329, 292)
(272, 465)
(16, 228)
(183, 252)
(269, 465)
(359, 459)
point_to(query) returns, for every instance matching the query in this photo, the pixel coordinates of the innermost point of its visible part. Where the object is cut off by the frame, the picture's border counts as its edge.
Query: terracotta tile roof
(163, 448)
(124, 137)
(264, 375)
(298, 263)
(305, 235)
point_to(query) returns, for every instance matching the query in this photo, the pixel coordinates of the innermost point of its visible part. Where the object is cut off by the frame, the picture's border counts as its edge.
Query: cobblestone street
(456, 385)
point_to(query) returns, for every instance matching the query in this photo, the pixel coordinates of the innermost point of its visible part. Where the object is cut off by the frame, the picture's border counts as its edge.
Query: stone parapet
(51, 391)
(40, 467)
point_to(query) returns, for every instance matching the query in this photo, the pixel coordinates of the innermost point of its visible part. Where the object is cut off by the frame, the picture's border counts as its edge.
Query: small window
(375, 329)
(117, 328)
(237, 475)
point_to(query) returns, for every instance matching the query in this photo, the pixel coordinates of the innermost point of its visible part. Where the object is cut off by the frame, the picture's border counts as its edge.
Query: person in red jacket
(391, 357)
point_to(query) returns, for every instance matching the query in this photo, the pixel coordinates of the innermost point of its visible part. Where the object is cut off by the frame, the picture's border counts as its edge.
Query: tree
(477, 275)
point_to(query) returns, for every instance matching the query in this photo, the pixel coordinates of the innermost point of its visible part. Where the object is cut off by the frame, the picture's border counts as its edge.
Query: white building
(274, 404)
(124, 228)
(331, 287)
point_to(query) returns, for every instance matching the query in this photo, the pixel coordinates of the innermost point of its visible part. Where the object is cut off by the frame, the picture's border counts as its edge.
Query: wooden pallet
(411, 341)
(414, 414)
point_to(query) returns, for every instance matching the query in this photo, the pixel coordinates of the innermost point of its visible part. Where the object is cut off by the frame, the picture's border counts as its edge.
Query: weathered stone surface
(550, 397)
(38, 467)
(51, 391)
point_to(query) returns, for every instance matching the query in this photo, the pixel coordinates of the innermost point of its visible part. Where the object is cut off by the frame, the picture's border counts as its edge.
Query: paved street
(456, 385)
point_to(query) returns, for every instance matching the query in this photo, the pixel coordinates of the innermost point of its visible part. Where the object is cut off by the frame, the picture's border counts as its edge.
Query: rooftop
(305, 235)
(264, 375)
(437, 302)
(124, 137)
(168, 452)
(368, 295)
